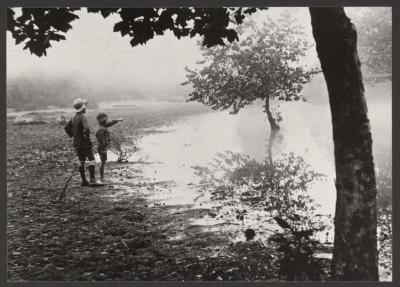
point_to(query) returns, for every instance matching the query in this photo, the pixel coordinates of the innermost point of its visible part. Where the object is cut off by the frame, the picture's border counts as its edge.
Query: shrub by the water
(278, 190)
(297, 247)
(122, 145)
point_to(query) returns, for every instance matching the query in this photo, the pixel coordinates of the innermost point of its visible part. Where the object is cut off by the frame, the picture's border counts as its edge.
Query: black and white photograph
(199, 144)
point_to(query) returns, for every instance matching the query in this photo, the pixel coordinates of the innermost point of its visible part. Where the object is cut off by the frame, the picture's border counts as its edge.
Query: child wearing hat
(103, 139)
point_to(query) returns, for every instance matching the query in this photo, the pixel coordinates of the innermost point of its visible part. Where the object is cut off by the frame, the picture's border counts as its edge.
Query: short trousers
(86, 153)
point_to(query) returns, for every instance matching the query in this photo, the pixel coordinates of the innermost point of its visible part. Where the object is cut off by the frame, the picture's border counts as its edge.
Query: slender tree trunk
(274, 129)
(355, 244)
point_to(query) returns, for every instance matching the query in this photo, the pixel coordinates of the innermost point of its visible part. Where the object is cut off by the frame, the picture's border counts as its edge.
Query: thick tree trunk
(355, 244)
(274, 130)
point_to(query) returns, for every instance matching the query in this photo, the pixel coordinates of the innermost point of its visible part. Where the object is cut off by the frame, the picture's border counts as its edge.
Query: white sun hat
(79, 104)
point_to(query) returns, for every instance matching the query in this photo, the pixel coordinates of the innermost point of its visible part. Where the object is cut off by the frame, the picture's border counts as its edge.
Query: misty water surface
(195, 140)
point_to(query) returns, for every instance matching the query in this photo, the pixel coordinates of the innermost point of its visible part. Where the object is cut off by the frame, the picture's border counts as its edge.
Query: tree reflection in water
(280, 189)
(272, 198)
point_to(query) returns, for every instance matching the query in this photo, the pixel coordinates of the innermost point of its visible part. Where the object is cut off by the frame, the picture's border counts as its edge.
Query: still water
(195, 140)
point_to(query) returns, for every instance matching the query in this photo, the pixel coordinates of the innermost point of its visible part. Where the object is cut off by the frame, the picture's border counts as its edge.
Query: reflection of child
(103, 139)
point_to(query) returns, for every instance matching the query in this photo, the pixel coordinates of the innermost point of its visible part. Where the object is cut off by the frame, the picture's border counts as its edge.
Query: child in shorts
(103, 139)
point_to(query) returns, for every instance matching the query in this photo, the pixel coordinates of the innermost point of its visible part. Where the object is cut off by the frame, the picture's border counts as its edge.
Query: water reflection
(306, 131)
(163, 164)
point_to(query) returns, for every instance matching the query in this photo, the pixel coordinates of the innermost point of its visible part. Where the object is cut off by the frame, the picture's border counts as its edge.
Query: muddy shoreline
(110, 232)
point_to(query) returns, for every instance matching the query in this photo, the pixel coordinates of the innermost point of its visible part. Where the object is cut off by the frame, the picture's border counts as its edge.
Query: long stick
(62, 194)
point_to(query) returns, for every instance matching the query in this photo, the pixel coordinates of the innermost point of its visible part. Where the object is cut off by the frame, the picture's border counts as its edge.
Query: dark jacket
(78, 127)
(103, 136)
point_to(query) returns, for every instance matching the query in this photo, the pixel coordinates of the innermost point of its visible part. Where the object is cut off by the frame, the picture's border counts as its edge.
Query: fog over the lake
(99, 58)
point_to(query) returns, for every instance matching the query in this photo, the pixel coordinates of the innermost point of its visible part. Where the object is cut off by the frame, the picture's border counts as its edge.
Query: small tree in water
(264, 65)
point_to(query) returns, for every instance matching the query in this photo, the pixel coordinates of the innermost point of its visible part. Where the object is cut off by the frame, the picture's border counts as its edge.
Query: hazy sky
(97, 56)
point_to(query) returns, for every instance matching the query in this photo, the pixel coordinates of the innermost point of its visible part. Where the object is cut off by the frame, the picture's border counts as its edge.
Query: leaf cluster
(265, 63)
(38, 27)
(279, 188)
(297, 247)
(374, 28)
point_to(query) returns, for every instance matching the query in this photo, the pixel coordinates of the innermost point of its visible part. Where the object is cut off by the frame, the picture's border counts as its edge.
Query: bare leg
(102, 170)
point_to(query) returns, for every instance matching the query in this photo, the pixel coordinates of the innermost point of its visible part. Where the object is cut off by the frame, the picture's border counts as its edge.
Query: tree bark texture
(355, 243)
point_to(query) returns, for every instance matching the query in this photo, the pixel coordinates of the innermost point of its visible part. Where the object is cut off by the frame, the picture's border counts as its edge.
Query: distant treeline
(32, 93)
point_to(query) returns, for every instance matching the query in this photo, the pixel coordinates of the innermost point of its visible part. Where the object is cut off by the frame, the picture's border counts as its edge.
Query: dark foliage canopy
(36, 28)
